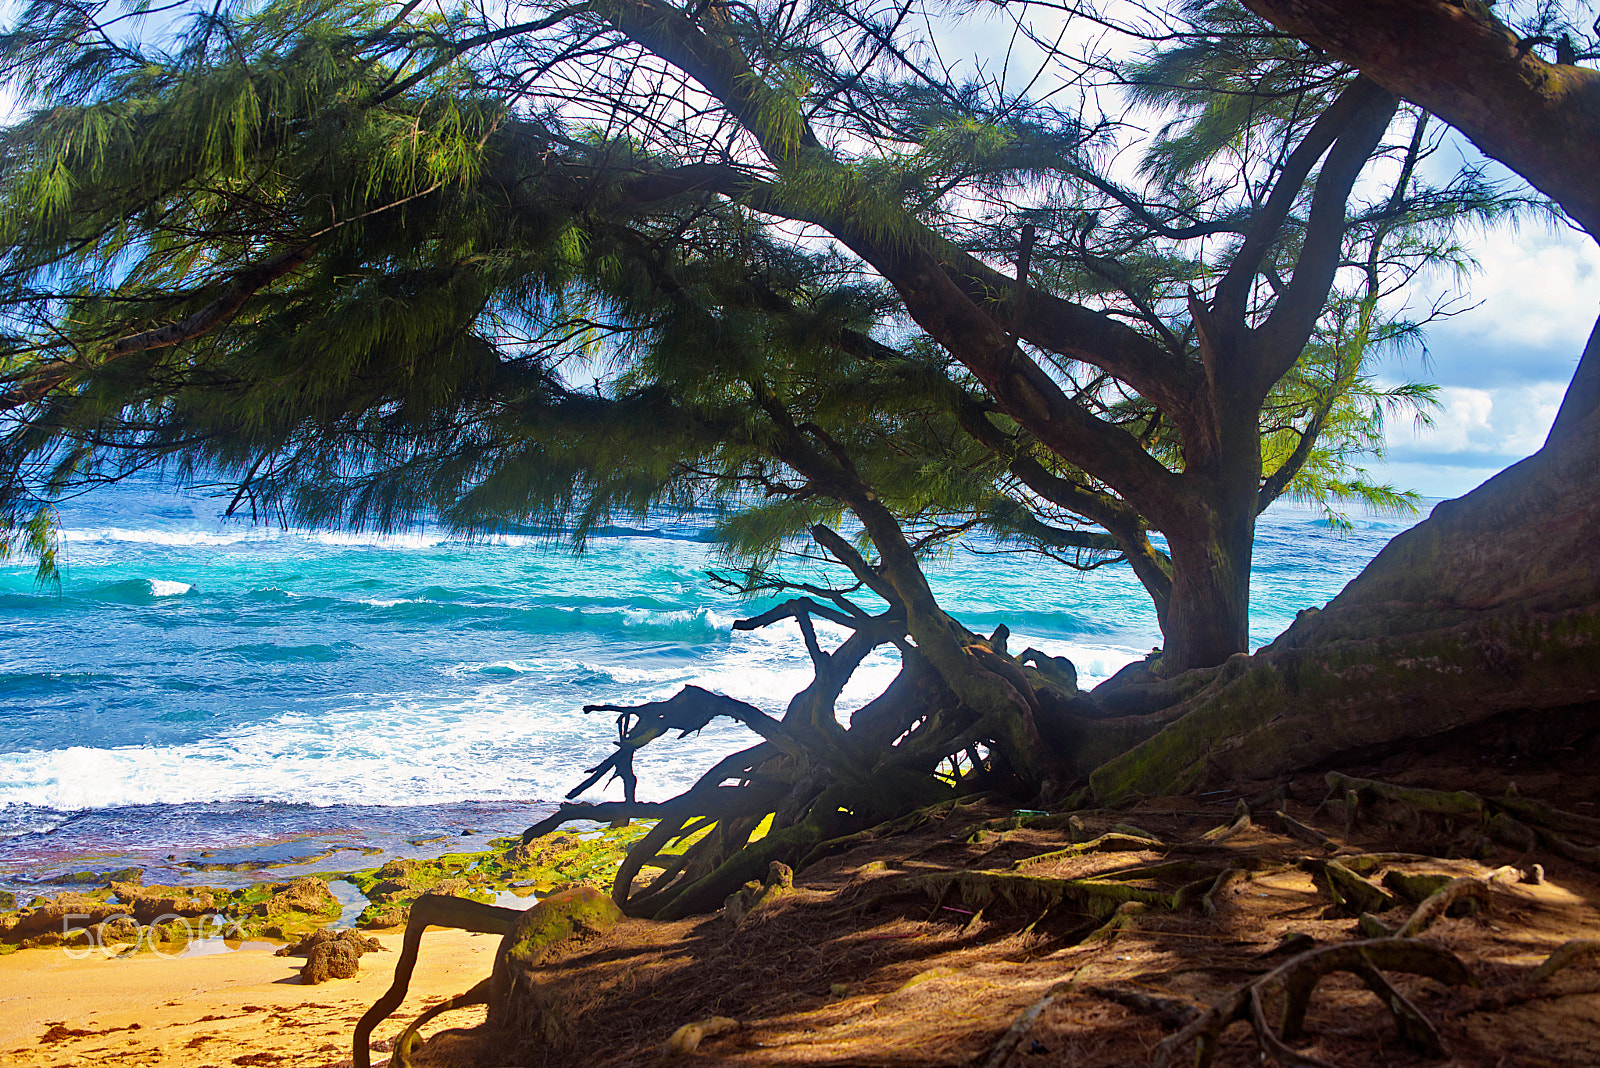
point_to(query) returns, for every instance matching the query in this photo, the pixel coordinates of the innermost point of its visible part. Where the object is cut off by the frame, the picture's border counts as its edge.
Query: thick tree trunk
(1208, 614)
(1490, 606)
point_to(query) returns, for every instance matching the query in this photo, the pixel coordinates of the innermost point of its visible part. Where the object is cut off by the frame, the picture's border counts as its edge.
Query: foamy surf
(192, 662)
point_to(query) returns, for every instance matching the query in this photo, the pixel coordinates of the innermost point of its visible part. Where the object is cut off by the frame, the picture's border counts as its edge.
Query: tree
(421, 251)
(1086, 364)
(1487, 612)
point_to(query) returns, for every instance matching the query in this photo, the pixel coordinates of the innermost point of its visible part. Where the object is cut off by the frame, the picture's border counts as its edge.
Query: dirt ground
(1080, 939)
(928, 949)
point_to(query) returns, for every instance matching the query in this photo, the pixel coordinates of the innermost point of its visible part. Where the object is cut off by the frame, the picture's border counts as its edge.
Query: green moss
(1299, 706)
(558, 859)
(575, 913)
(120, 875)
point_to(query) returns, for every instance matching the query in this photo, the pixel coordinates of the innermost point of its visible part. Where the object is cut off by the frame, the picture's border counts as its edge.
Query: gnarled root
(1568, 953)
(1439, 901)
(403, 1042)
(1511, 820)
(1297, 978)
(1013, 1036)
(429, 910)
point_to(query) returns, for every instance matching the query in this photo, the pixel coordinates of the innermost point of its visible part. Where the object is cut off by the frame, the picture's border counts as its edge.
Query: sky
(1504, 365)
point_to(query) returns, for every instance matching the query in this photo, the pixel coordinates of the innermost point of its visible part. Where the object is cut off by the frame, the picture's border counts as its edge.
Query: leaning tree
(1487, 614)
(336, 253)
(1067, 305)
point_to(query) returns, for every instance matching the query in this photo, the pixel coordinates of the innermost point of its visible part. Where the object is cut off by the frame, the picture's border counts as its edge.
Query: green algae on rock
(577, 912)
(556, 860)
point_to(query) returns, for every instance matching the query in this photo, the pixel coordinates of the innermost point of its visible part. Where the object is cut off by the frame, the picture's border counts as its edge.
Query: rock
(309, 895)
(334, 959)
(41, 941)
(581, 912)
(65, 911)
(150, 903)
(8, 900)
(454, 888)
(394, 880)
(381, 916)
(311, 941)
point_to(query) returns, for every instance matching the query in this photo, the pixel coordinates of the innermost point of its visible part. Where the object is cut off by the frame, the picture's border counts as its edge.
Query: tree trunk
(1490, 606)
(1454, 58)
(1208, 615)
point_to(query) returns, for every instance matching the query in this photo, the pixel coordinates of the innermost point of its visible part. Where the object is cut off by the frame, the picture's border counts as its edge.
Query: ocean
(218, 702)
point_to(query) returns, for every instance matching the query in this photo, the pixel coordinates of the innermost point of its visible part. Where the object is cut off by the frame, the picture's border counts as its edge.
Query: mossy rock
(383, 917)
(8, 900)
(308, 895)
(133, 876)
(556, 860)
(580, 912)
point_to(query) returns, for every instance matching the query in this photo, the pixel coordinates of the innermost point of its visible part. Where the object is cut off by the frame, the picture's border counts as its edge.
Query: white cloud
(1475, 433)
(1463, 415)
(1538, 288)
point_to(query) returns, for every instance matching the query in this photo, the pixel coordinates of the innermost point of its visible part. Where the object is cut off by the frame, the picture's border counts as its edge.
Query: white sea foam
(474, 747)
(512, 737)
(172, 538)
(168, 588)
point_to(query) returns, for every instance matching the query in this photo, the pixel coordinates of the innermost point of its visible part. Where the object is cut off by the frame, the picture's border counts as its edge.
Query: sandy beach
(245, 1007)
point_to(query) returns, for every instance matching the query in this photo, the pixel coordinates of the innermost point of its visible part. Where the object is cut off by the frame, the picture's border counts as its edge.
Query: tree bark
(1456, 59)
(1489, 606)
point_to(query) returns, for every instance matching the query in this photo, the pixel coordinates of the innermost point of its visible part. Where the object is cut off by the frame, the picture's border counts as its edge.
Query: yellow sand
(244, 1008)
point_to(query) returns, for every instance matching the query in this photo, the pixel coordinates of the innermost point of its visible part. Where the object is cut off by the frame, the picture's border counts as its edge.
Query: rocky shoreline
(117, 915)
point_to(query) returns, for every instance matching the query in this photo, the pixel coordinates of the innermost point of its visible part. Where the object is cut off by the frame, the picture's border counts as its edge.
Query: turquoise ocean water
(202, 692)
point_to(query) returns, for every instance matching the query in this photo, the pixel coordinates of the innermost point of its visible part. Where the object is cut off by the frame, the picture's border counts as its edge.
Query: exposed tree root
(1121, 920)
(1349, 890)
(1511, 820)
(407, 1040)
(1283, 822)
(1297, 978)
(1173, 1012)
(1240, 824)
(1439, 901)
(1026, 893)
(961, 718)
(1013, 1036)
(1534, 986)
(1211, 900)
(429, 910)
(1565, 955)
(1112, 842)
(889, 828)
